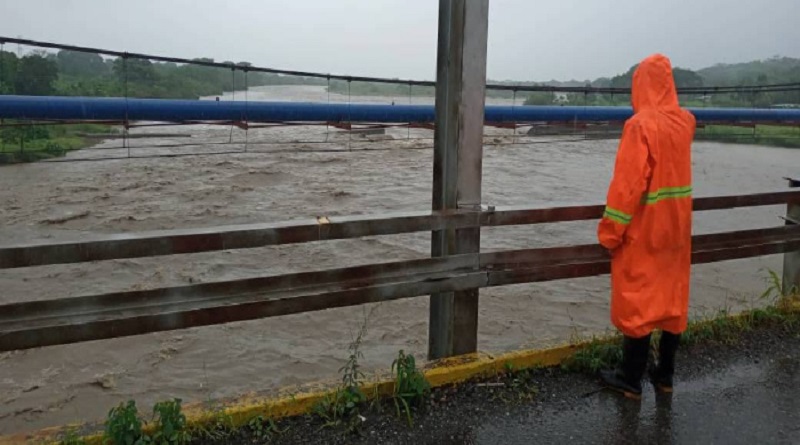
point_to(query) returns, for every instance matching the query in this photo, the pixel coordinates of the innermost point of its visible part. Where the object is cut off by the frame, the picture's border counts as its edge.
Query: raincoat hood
(653, 85)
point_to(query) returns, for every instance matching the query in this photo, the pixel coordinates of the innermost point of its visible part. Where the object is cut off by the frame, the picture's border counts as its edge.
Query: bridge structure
(456, 269)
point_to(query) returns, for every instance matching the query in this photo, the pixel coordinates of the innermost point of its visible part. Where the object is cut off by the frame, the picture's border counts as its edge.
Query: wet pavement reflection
(752, 401)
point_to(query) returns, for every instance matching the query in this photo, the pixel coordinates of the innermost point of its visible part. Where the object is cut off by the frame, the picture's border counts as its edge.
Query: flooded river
(300, 172)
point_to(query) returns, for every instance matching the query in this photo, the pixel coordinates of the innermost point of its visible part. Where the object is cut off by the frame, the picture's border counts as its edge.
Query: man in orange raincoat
(647, 228)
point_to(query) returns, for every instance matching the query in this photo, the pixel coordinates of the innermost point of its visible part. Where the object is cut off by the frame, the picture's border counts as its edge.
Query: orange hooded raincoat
(647, 223)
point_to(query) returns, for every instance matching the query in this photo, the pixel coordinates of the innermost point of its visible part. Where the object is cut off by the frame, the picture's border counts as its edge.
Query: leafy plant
(410, 385)
(124, 427)
(342, 407)
(170, 423)
(262, 429)
(351, 371)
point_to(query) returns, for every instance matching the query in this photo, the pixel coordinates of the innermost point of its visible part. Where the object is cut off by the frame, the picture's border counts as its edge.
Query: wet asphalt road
(744, 391)
(747, 403)
(749, 397)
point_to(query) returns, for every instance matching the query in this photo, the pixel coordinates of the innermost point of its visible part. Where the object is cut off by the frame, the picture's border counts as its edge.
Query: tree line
(70, 73)
(776, 70)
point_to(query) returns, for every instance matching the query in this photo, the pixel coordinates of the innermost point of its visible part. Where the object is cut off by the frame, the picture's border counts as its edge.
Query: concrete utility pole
(457, 163)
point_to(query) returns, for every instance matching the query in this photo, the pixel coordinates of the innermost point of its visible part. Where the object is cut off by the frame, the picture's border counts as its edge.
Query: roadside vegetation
(346, 407)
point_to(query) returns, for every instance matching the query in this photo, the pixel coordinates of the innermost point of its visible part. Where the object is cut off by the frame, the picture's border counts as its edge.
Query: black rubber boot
(662, 370)
(627, 378)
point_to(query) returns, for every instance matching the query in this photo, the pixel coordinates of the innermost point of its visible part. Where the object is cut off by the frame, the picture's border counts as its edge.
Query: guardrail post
(791, 260)
(457, 163)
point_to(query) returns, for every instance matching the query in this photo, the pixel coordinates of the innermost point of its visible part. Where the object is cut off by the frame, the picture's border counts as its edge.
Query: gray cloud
(529, 39)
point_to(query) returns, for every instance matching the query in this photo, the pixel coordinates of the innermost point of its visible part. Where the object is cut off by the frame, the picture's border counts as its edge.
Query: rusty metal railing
(68, 320)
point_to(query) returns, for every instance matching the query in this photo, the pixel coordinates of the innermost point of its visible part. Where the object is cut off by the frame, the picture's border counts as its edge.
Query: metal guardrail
(60, 321)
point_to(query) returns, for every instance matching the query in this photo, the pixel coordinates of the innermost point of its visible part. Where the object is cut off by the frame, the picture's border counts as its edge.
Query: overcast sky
(528, 39)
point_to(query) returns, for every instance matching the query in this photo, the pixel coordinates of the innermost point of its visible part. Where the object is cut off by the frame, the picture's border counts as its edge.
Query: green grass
(71, 437)
(220, 428)
(721, 327)
(600, 353)
(773, 135)
(40, 149)
(48, 141)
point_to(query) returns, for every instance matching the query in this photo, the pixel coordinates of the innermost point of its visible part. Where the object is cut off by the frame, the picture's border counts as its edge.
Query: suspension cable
(794, 86)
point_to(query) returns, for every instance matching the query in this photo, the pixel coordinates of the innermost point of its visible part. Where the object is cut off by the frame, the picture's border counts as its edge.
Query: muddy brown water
(285, 176)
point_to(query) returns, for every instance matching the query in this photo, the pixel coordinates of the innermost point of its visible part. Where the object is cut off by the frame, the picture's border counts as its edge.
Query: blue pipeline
(120, 109)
